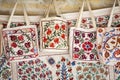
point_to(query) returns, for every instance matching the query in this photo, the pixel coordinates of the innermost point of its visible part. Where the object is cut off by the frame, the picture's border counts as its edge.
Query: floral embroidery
(117, 71)
(84, 45)
(33, 69)
(108, 44)
(20, 43)
(117, 68)
(51, 61)
(5, 69)
(87, 46)
(64, 70)
(91, 71)
(101, 21)
(54, 34)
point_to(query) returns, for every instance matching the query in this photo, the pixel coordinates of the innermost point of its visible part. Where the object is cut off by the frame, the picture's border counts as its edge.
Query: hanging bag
(108, 42)
(83, 41)
(53, 33)
(20, 42)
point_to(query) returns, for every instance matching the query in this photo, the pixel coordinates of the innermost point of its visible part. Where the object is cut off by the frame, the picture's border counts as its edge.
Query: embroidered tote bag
(83, 41)
(53, 33)
(108, 42)
(20, 42)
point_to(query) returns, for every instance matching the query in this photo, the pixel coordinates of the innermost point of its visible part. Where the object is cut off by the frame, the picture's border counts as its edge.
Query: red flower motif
(27, 45)
(37, 69)
(19, 52)
(87, 46)
(70, 70)
(13, 38)
(20, 71)
(20, 38)
(68, 22)
(100, 19)
(58, 66)
(14, 45)
(49, 31)
(83, 20)
(116, 16)
(56, 40)
(37, 61)
(57, 73)
(63, 27)
(44, 39)
(63, 59)
(76, 56)
(32, 50)
(56, 27)
(31, 62)
(63, 36)
(20, 24)
(52, 45)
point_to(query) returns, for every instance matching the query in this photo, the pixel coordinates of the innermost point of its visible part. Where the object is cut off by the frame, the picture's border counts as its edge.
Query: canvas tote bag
(83, 41)
(20, 42)
(53, 33)
(108, 42)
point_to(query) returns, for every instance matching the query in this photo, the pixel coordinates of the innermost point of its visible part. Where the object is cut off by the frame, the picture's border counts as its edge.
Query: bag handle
(13, 11)
(111, 15)
(81, 12)
(53, 2)
(1, 46)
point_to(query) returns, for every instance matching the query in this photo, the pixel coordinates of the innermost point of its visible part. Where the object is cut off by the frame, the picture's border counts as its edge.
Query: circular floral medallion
(87, 46)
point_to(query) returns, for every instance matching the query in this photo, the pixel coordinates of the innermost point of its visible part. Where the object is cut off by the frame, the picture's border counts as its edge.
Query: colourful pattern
(33, 69)
(117, 71)
(64, 70)
(92, 71)
(54, 34)
(101, 21)
(5, 69)
(20, 43)
(109, 44)
(84, 45)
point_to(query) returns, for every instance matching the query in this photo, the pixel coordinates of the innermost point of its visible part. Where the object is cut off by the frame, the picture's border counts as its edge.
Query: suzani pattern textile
(5, 69)
(84, 45)
(33, 69)
(54, 34)
(21, 42)
(109, 44)
(64, 70)
(92, 71)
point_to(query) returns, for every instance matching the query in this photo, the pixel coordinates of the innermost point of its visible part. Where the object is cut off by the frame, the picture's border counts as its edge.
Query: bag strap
(111, 15)
(13, 11)
(10, 19)
(81, 12)
(1, 46)
(53, 2)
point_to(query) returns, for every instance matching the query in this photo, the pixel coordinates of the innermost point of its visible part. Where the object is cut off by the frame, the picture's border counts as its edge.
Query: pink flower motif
(87, 46)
